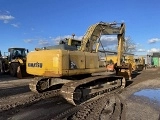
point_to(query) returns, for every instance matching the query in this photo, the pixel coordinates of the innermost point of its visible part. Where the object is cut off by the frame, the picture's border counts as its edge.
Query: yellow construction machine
(130, 60)
(15, 62)
(139, 63)
(71, 69)
(127, 62)
(72, 42)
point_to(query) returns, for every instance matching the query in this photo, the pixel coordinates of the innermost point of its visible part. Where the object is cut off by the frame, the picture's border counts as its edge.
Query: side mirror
(27, 51)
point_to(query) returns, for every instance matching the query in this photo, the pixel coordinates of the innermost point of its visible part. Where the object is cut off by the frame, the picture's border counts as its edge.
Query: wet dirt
(139, 104)
(138, 96)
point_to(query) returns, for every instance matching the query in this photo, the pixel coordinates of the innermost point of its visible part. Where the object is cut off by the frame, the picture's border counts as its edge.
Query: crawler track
(67, 110)
(78, 91)
(19, 100)
(95, 108)
(95, 105)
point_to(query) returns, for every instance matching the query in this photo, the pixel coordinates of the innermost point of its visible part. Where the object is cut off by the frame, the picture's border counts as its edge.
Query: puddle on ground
(152, 94)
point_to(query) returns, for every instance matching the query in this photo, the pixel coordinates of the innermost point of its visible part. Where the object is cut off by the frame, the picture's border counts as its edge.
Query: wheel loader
(15, 62)
(71, 69)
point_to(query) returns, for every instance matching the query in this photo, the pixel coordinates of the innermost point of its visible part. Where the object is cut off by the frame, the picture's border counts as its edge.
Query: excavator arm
(93, 34)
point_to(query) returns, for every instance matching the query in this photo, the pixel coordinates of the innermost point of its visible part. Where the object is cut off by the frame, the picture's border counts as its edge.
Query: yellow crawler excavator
(70, 69)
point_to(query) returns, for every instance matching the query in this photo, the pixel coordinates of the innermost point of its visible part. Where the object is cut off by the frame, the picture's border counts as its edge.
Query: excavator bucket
(125, 71)
(21, 71)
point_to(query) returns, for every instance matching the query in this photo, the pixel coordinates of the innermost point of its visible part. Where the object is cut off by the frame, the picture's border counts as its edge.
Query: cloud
(132, 46)
(111, 42)
(58, 38)
(43, 42)
(108, 42)
(108, 38)
(153, 40)
(154, 50)
(6, 18)
(141, 50)
(15, 25)
(67, 36)
(39, 41)
(28, 40)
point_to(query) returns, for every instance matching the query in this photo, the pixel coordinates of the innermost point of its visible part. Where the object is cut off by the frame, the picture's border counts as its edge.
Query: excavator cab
(71, 42)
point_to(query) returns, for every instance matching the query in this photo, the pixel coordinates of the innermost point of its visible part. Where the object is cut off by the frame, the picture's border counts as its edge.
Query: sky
(39, 23)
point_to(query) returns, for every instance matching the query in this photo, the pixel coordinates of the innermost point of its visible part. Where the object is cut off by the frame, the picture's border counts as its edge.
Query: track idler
(43, 84)
(39, 84)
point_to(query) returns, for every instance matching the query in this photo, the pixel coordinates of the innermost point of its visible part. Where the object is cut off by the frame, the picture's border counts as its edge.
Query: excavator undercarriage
(77, 91)
(71, 69)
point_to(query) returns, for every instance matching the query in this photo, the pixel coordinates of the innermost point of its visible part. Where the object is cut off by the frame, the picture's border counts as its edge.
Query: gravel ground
(10, 86)
(121, 106)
